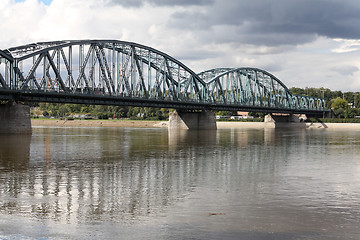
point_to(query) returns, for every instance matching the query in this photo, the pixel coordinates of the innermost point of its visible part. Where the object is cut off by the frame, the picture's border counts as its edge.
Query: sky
(304, 43)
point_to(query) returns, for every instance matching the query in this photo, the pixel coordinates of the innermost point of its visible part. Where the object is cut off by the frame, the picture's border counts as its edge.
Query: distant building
(243, 114)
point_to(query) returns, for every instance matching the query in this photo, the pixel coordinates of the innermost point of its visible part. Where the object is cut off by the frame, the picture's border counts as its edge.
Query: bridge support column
(287, 121)
(15, 118)
(203, 120)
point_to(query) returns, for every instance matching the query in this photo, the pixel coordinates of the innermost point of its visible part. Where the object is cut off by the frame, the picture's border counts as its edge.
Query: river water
(127, 183)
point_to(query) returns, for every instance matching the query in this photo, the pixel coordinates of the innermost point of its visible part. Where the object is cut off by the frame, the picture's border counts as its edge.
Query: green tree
(73, 108)
(226, 113)
(350, 113)
(43, 106)
(63, 110)
(297, 91)
(339, 103)
(339, 107)
(122, 112)
(86, 109)
(100, 111)
(257, 114)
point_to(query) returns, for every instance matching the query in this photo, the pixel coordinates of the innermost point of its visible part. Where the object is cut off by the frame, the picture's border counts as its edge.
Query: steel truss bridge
(122, 73)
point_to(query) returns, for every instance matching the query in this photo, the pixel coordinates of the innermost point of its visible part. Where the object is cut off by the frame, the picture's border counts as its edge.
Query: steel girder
(100, 67)
(126, 73)
(254, 87)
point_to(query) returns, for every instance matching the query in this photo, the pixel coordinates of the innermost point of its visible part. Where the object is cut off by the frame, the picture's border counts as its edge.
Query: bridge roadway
(112, 72)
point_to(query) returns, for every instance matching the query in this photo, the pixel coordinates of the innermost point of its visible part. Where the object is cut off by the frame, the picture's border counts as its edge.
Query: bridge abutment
(203, 120)
(284, 121)
(15, 118)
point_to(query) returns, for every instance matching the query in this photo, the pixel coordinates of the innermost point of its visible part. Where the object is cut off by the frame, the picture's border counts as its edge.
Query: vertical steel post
(121, 84)
(92, 79)
(113, 65)
(7, 78)
(101, 81)
(142, 72)
(117, 87)
(228, 88)
(164, 77)
(70, 66)
(34, 75)
(263, 89)
(81, 59)
(232, 88)
(12, 74)
(16, 78)
(45, 74)
(256, 90)
(132, 70)
(178, 84)
(192, 88)
(58, 67)
(149, 73)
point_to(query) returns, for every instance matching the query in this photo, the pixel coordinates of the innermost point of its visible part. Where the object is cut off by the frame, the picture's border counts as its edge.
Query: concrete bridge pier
(203, 120)
(15, 118)
(285, 121)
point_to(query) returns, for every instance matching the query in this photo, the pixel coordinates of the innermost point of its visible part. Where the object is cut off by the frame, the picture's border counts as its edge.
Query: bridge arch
(106, 67)
(254, 87)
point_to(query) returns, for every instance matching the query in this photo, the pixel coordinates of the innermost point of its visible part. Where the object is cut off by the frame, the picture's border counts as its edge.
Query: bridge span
(112, 72)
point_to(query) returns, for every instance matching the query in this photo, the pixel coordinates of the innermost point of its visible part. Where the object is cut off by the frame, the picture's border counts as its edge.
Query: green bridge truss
(125, 73)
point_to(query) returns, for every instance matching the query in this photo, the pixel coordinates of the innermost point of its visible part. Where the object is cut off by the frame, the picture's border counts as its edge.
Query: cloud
(347, 46)
(346, 70)
(18, 22)
(140, 3)
(302, 42)
(272, 23)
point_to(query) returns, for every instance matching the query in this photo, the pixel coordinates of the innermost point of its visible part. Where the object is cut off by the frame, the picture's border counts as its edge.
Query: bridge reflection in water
(111, 178)
(168, 183)
(78, 174)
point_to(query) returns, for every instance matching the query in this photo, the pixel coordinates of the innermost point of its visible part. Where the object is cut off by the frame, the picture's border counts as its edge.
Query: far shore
(164, 124)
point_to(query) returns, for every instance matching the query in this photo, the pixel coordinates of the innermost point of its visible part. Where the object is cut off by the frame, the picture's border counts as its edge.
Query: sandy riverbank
(223, 125)
(130, 123)
(162, 124)
(96, 123)
(334, 125)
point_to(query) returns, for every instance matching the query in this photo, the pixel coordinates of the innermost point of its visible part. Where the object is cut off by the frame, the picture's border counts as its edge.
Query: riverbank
(222, 125)
(164, 124)
(131, 123)
(96, 123)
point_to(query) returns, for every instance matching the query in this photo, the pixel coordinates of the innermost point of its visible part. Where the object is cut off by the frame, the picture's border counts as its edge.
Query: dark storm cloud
(272, 23)
(139, 3)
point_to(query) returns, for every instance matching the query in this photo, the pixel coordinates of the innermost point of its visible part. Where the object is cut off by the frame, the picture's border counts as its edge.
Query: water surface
(127, 183)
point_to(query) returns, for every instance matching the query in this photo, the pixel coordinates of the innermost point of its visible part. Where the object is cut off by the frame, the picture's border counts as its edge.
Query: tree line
(100, 111)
